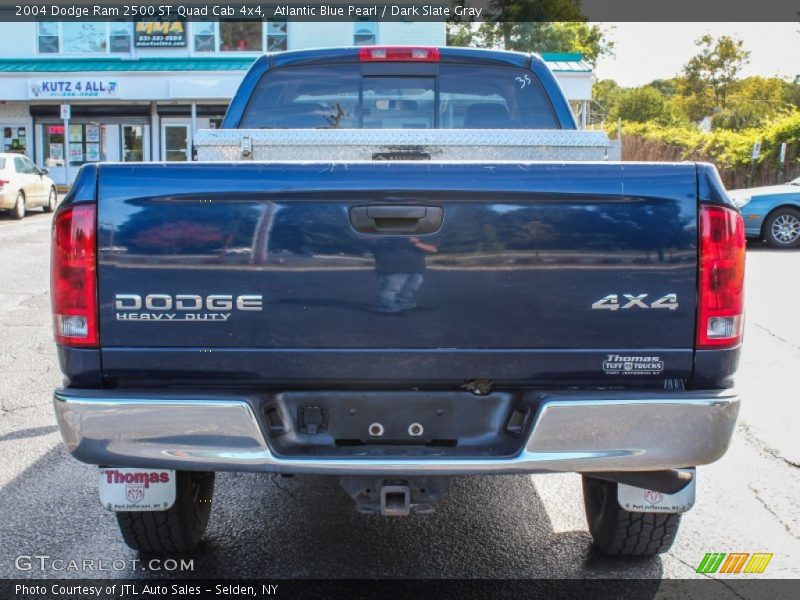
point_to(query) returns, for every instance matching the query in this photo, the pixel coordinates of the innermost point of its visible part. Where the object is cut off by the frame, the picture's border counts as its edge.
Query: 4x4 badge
(612, 302)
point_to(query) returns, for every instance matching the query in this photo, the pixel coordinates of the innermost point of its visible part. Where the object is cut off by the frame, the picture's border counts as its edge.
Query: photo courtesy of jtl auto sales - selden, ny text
(400, 299)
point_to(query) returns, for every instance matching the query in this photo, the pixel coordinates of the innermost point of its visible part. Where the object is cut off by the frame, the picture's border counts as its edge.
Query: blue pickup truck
(403, 319)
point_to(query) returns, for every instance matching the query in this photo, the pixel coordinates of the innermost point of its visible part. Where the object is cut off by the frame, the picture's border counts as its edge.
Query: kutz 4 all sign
(136, 489)
(72, 88)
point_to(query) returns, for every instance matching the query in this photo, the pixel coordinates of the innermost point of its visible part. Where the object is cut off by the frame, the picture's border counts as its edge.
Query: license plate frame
(634, 499)
(136, 489)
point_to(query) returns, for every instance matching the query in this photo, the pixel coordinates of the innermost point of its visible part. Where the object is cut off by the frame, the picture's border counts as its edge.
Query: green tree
(641, 105)
(591, 40)
(710, 75)
(753, 102)
(793, 92)
(461, 34)
(507, 13)
(605, 96)
(667, 87)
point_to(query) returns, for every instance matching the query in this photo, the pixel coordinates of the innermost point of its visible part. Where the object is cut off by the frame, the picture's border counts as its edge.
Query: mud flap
(634, 499)
(132, 490)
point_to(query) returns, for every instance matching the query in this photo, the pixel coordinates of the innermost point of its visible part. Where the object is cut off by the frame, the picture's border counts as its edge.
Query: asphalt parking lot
(487, 527)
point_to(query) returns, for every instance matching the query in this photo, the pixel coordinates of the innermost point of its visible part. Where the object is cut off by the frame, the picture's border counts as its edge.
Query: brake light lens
(398, 53)
(720, 311)
(73, 277)
(3, 182)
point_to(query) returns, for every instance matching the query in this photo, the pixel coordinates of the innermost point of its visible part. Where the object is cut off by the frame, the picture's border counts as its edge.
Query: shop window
(84, 143)
(176, 142)
(84, 38)
(205, 37)
(240, 36)
(365, 33)
(15, 139)
(54, 145)
(277, 35)
(48, 38)
(132, 143)
(119, 37)
(228, 36)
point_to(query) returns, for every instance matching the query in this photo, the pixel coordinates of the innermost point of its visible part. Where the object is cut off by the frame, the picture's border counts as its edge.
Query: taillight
(398, 53)
(720, 310)
(3, 182)
(73, 277)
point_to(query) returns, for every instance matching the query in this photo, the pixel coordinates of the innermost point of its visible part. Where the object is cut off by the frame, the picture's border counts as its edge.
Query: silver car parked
(23, 185)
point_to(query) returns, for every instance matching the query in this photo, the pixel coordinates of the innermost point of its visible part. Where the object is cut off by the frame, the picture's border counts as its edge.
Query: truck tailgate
(398, 271)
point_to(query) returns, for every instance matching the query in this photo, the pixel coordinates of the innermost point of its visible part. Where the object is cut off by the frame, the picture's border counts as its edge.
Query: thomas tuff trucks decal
(616, 364)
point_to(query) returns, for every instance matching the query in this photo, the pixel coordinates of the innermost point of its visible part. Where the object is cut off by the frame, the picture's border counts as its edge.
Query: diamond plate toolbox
(335, 145)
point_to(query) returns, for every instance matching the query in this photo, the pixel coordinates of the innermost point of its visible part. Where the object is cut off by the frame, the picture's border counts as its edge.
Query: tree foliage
(591, 40)
(641, 105)
(709, 86)
(460, 34)
(509, 12)
(711, 74)
(754, 102)
(605, 97)
(725, 147)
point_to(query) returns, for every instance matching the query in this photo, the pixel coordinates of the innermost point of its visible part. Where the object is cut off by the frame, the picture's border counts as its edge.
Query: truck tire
(782, 228)
(617, 532)
(52, 200)
(19, 207)
(178, 529)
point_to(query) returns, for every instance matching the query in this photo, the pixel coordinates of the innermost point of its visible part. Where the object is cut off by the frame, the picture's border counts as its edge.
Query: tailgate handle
(396, 219)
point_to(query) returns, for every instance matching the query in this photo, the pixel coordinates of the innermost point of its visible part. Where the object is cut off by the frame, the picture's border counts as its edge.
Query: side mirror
(44, 171)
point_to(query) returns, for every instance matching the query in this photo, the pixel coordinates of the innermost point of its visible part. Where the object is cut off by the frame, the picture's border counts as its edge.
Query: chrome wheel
(786, 228)
(782, 228)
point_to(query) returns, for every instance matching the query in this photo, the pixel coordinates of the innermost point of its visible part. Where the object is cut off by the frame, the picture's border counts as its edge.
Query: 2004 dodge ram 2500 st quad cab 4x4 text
(398, 265)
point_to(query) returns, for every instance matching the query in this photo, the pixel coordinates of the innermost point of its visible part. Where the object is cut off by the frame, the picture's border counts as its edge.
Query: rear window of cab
(340, 97)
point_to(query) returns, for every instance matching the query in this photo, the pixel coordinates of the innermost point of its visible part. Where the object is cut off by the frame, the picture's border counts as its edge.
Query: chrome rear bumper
(572, 431)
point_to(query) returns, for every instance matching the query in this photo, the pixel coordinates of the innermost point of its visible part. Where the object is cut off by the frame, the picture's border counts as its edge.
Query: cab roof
(447, 54)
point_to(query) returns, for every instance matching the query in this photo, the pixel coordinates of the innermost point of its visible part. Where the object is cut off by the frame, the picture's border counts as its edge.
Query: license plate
(136, 489)
(634, 499)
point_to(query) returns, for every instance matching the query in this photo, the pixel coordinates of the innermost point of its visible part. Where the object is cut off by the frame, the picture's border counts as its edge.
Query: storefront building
(138, 92)
(575, 77)
(128, 111)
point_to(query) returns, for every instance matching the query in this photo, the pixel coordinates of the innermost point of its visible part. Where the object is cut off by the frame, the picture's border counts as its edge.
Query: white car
(23, 185)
